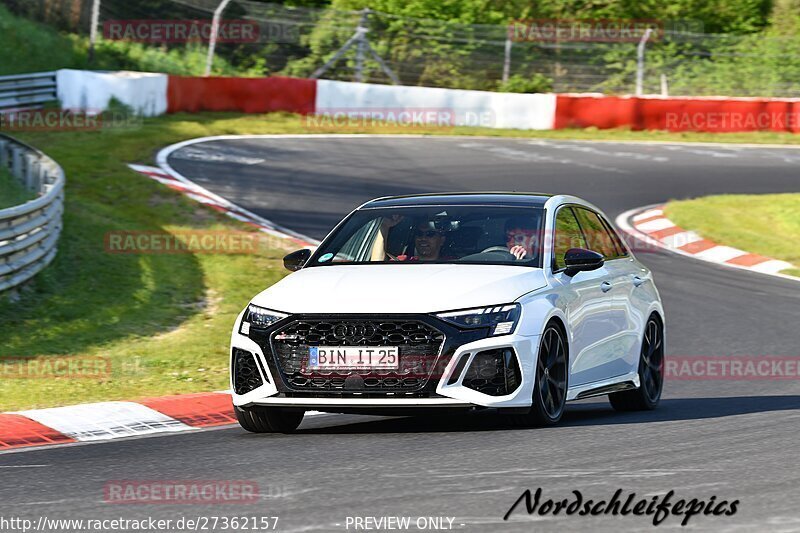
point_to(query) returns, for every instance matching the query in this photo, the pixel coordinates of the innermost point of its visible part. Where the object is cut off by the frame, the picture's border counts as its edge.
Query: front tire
(651, 373)
(550, 389)
(268, 419)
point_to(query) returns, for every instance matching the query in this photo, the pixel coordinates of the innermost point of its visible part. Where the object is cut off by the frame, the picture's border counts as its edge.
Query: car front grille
(420, 345)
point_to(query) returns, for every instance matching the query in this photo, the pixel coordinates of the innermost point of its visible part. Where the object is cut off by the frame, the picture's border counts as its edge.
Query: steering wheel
(495, 249)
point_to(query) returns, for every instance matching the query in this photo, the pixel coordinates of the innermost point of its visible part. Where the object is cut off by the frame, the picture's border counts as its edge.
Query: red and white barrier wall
(144, 92)
(247, 95)
(468, 108)
(155, 94)
(705, 114)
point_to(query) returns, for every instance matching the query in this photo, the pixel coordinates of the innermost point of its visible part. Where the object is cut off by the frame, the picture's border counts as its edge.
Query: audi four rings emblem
(354, 332)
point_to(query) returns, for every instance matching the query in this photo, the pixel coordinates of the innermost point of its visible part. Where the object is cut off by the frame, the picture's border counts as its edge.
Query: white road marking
(212, 155)
(522, 155)
(696, 151)
(589, 149)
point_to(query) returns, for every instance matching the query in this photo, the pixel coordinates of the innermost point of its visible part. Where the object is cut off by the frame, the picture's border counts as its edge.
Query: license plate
(353, 357)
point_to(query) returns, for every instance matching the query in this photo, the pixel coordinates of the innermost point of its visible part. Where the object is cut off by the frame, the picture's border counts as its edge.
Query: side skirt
(598, 388)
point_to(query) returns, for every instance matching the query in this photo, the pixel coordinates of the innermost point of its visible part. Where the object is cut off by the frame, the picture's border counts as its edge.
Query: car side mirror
(296, 260)
(581, 260)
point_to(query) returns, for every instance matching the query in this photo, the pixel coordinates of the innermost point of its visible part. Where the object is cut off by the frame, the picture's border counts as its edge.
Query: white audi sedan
(509, 302)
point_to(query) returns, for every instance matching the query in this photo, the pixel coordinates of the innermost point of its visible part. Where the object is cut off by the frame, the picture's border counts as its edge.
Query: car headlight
(502, 319)
(259, 318)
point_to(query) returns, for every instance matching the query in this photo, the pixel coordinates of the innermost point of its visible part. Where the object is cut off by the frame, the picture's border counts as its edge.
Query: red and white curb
(649, 224)
(105, 421)
(200, 194)
(113, 420)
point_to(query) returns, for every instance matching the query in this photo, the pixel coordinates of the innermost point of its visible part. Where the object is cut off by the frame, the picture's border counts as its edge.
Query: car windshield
(451, 234)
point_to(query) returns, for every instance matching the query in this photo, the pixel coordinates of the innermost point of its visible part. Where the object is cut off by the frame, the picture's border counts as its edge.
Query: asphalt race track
(735, 440)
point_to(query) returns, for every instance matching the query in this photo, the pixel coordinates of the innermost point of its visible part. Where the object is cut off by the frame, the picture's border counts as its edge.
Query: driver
(428, 242)
(521, 237)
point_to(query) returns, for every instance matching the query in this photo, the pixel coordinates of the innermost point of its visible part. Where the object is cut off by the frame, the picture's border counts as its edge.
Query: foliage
(522, 84)
(29, 46)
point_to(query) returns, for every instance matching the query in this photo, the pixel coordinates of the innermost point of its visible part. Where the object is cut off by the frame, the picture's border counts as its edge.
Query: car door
(618, 346)
(633, 278)
(583, 298)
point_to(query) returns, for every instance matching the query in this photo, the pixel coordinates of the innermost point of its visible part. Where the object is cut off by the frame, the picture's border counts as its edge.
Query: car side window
(567, 235)
(597, 237)
(622, 251)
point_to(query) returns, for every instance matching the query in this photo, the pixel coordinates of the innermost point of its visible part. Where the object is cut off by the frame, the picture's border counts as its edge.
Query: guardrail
(29, 232)
(25, 91)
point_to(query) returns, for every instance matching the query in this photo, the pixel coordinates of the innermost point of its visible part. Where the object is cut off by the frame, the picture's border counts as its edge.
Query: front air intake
(246, 376)
(494, 372)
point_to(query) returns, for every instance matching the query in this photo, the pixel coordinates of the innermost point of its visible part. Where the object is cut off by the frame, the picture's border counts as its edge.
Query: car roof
(509, 199)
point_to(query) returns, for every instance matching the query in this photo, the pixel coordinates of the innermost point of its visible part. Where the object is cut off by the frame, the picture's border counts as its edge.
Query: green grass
(11, 190)
(765, 224)
(163, 321)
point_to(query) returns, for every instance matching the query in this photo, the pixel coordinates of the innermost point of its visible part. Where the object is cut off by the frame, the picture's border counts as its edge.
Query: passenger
(521, 237)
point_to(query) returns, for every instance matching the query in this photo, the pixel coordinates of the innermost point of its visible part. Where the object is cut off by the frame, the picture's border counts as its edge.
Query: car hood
(411, 288)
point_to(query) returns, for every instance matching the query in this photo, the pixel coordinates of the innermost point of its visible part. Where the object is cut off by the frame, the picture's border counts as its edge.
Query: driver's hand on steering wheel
(518, 252)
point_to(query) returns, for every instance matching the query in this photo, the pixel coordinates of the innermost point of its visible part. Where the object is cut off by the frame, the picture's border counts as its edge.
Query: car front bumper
(450, 391)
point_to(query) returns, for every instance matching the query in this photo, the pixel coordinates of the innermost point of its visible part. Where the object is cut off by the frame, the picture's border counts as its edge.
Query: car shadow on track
(580, 414)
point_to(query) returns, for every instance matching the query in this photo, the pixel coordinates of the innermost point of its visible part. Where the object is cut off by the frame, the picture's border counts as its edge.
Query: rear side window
(567, 235)
(598, 239)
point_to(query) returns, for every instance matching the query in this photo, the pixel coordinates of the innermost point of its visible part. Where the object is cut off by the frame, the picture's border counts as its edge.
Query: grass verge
(765, 224)
(162, 322)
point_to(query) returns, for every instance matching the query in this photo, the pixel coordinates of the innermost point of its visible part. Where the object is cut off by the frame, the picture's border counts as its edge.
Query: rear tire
(268, 419)
(651, 373)
(552, 377)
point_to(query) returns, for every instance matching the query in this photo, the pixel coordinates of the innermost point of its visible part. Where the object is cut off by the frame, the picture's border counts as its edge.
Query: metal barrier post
(640, 61)
(212, 41)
